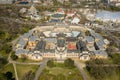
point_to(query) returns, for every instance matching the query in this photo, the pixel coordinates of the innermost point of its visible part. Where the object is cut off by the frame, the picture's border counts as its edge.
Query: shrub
(50, 63)
(69, 63)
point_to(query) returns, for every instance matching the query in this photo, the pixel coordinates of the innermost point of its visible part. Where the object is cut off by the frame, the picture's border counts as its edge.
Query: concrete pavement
(39, 71)
(16, 75)
(80, 66)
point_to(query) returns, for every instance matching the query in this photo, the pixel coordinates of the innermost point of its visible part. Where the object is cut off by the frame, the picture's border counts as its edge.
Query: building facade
(60, 42)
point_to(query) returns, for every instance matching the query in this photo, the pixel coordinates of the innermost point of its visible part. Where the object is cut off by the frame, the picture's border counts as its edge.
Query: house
(81, 45)
(75, 20)
(33, 13)
(26, 36)
(106, 41)
(101, 45)
(6, 1)
(32, 42)
(60, 11)
(85, 56)
(96, 36)
(36, 56)
(40, 46)
(61, 42)
(22, 2)
(90, 43)
(90, 17)
(100, 54)
(23, 10)
(56, 17)
(21, 44)
(70, 13)
(106, 16)
(62, 1)
(36, 1)
(21, 52)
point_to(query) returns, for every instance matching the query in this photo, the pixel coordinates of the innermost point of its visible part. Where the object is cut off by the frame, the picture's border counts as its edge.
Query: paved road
(39, 71)
(80, 66)
(25, 63)
(16, 76)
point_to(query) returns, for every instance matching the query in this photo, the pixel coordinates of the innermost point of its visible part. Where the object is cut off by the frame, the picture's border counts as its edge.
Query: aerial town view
(59, 39)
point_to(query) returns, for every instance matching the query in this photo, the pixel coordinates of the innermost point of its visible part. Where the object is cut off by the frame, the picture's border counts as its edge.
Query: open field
(8, 67)
(114, 76)
(22, 69)
(59, 72)
(26, 60)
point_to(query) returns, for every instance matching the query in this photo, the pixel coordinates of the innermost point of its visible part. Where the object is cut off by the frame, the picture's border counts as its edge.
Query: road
(22, 63)
(16, 76)
(26, 63)
(80, 66)
(39, 71)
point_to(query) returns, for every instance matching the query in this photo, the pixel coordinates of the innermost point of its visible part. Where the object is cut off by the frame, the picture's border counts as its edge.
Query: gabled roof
(22, 42)
(75, 33)
(89, 39)
(50, 39)
(33, 38)
(26, 35)
(22, 51)
(42, 34)
(75, 20)
(108, 15)
(101, 52)
(100, 44)
(61, 35)
(40, 45)
(71, 39)
(96, 36)
(57, 15)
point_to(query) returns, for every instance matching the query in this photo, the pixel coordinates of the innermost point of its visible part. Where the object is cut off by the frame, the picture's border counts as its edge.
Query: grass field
(59, 72)
(26, 60)
(115, 76)
(8, 67)
(22, 69)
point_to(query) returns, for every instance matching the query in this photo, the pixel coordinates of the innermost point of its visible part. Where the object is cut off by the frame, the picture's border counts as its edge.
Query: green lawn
(8, 67)
(89, 77)
(115, 76)
(22, 69)
(59, 72)
(26, 60)
(3, 54)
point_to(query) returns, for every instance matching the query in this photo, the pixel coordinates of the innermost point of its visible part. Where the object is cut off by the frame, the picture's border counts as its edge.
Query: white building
(75, 20)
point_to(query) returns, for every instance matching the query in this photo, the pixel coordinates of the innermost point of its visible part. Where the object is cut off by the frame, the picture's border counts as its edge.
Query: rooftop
(22, 42)
(33, 38)
(22, 51)
(108, 15)
(100, 52)
(89, 39)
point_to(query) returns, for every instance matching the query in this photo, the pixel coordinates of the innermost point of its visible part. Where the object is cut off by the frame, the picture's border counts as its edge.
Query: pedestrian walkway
(80, 66)
(39, 71)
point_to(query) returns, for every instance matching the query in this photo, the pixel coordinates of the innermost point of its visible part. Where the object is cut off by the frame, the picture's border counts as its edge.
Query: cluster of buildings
(31, 13)
(106, 16)
(69, 16)
(103, 16)
(60, 15)
(61, 42)
(113, 2)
